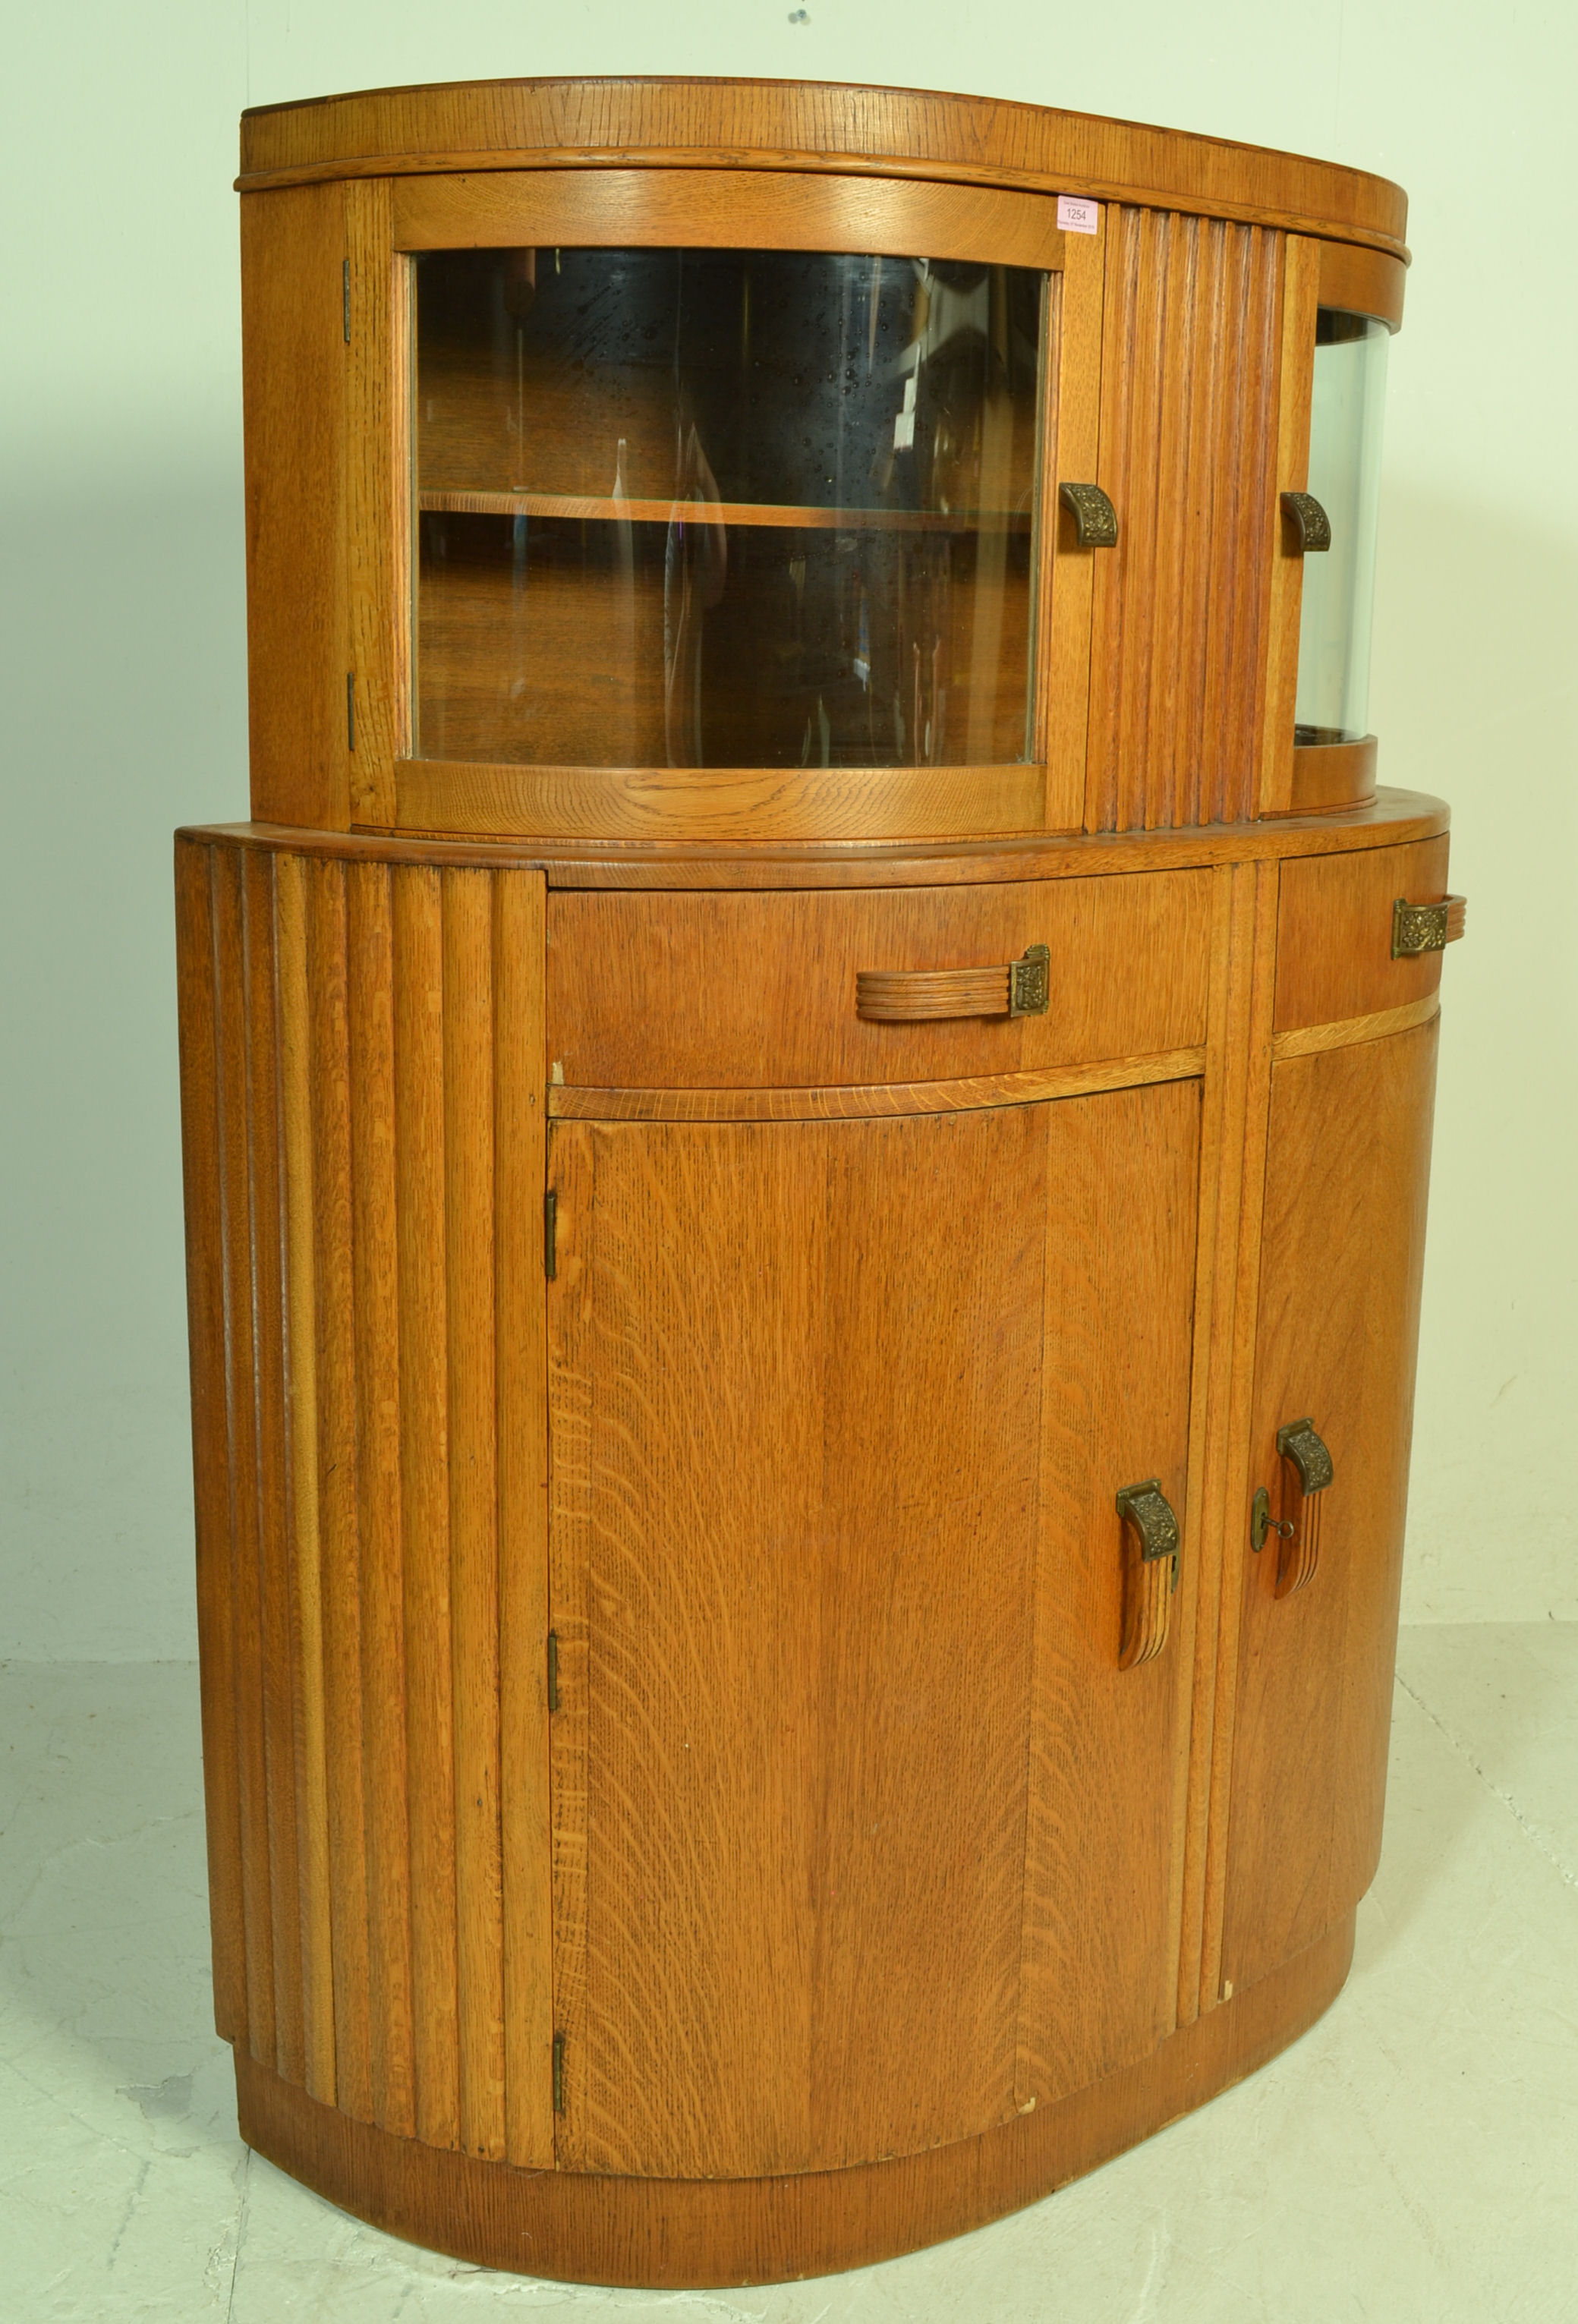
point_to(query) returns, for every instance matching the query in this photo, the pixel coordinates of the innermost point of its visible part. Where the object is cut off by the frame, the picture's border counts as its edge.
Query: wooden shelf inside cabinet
(745, 1727)
(771, 513)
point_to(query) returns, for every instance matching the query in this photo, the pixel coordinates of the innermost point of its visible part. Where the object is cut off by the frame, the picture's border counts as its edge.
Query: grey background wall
(122, 693)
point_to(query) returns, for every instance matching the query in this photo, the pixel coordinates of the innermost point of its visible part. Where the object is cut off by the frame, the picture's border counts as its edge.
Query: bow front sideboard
(806, 1114)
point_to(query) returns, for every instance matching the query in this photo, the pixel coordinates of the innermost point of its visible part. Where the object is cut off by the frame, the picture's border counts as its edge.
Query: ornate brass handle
(1307, 1471)
(1426, 928)
(1019, 987)
(1309, 521)
(1095, 520)
(1150, 1569)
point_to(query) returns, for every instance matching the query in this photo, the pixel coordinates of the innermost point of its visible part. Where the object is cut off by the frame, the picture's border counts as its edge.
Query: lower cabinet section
(753, 1666)
(1347, 1171)
(863, 1840)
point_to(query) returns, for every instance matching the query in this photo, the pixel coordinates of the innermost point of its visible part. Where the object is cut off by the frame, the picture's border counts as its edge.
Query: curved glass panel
(1344, 475)
(724, 507)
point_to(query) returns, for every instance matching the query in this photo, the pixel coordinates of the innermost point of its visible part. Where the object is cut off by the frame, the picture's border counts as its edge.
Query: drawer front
(674, 990)
(1334, 932)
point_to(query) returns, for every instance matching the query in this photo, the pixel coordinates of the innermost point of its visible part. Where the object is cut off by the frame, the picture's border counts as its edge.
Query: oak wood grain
(1179, 619)
(753, 803)
(747, 209)
(1362, 282)
(300, 1344)
(1067, 573)
(1232, 1390)
(469, 1236)
(1294, 383)
(672, 2233)
(723, 124)
(1305, 1040)
(1393, 817)
(710, 991)
(203, 1184)
(1121, 1171)
(520, 1371)
(857, 1104)
(1333, 957)
(420, 1156)
(1344, 1229)
(776, 1545)
(381, 1581)
(1225, 1102)
(293, 399)
(333, 1323)
(1326, 774)
(377, 497)
(277, 1663)
(245, 1468)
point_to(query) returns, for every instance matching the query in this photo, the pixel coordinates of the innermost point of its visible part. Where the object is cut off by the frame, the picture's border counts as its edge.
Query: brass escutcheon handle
(1426, 928)
(1095, 520)
(1308, 521)
(1017, 988)
(1150, 1575)
(1307, 1471)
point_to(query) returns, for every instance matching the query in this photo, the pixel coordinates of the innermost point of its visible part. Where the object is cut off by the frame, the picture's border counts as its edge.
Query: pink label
(1076, 216)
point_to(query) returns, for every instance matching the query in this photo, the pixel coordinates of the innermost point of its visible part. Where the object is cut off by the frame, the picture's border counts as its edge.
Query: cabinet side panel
(1180, 611)
(1344, 1224)
(205, 1259)
(292, 256)
(1099, 1974)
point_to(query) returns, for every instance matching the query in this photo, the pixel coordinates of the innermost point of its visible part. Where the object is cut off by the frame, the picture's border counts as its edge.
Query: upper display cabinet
(711, 507)
(699, 461)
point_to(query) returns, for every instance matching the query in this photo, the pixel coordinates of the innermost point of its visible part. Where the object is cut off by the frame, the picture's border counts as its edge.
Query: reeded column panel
(1181, 602)
(363, 1096)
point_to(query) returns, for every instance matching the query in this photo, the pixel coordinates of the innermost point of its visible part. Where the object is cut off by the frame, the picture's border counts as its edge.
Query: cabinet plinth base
(704, 2234)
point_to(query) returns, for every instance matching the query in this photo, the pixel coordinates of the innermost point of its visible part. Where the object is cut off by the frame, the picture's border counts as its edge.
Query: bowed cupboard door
(1347, 1171)
(861, 1841)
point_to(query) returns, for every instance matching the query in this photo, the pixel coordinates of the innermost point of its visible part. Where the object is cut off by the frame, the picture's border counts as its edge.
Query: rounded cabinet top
(836, 126)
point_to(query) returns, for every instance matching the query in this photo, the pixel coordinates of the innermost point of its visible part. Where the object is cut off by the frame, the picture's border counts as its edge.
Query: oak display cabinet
(807, 1114)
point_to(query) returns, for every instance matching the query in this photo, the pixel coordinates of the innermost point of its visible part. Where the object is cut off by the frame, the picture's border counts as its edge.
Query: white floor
(1414, 2156)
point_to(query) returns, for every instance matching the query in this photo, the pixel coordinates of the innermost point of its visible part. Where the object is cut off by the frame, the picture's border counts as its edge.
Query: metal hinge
(553, 1669)
(550, 1234)
(345, 298)
(559, 2073)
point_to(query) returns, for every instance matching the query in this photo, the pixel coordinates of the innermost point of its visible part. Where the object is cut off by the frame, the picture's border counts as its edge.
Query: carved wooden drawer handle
(1019, 987)
(1150, 1569)
(1426, 928)
(1307, 1471)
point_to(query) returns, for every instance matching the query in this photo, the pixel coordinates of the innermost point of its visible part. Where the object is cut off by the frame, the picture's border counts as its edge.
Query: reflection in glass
(725, 508)
(1344, 475)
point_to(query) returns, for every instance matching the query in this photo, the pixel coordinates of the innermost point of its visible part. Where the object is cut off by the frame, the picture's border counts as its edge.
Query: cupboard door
(1100, 1933)
(1347, 1168)
(796, 1401)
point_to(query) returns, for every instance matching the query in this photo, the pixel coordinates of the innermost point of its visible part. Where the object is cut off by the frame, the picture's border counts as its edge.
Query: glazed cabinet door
(822, 1525)
(1346, 1178)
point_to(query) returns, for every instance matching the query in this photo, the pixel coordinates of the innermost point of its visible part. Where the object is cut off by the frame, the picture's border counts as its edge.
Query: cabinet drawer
(673, 990)
(1334, 932)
